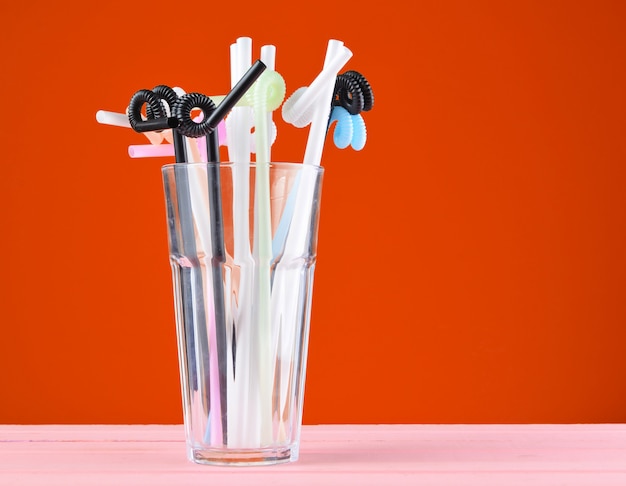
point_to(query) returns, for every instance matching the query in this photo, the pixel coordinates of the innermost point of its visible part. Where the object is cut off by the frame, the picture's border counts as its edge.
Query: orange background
(471, 259)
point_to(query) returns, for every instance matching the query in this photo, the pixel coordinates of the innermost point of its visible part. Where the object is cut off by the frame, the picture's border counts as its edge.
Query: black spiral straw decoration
(353, 92)
(182, 108)
(168, 95)
(207, 127)
(348, 94)
(366, 89)
(155, 110)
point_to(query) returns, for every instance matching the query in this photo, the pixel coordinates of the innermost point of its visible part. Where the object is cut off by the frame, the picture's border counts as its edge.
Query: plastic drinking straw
(344, 129)
(319, 122)
(195, 308)
(167, 149)
(121, 120)
(298, 109)
(243, 401)
(268, 56)
(147, 150)
(278, 242)
(337, 55)
(158, 149)
(111, 118)
(349, 130)
(192, 285)
(214, 431)
(140, 151)
(208, 337)
(218, 258)
(312, 104)
(164, 150)
(207, 329)
(316, 103)
(269, 85)
(239, 123)
(202, 307)
(207, 127)
(236, 93)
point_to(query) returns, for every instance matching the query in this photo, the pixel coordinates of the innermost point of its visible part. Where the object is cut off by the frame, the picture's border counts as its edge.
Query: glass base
(242, 457)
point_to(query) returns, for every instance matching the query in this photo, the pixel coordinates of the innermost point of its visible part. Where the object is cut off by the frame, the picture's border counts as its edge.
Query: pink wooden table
(364, 455)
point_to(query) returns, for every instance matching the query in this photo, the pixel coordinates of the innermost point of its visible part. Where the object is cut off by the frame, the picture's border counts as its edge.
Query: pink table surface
(364, 455)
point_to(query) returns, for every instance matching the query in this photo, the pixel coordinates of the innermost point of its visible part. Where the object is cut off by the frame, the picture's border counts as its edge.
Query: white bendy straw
(313, 103)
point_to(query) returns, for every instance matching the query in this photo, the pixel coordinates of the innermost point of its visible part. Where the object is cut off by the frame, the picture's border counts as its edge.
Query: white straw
(339, 56)
(111, 118)
(298, 110)
(121, 120)
(244, 426)
(288, 285)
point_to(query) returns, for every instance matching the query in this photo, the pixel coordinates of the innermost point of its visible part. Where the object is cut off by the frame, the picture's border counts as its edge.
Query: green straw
(269, 86)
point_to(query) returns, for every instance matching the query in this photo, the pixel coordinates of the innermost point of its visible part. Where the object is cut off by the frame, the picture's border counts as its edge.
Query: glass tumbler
(242, 244)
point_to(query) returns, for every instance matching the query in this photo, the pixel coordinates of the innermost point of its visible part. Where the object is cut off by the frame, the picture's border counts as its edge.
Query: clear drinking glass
(242, 243)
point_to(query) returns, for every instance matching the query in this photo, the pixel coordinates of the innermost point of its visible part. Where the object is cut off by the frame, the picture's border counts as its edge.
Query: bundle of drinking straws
(242, 314)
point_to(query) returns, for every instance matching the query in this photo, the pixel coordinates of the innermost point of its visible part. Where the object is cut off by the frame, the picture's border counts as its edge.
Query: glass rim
(277, 165)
